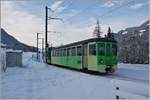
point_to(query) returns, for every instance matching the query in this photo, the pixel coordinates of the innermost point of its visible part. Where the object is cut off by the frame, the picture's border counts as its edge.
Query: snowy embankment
(38, 80)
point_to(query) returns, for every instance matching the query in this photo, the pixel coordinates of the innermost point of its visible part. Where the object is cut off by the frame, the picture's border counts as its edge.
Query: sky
(24, 18)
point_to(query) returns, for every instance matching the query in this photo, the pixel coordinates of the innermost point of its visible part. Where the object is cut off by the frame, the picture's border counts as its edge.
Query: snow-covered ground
(38, 80)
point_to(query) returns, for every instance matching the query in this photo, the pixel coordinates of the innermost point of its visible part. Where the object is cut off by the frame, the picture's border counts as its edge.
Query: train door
(85, 56)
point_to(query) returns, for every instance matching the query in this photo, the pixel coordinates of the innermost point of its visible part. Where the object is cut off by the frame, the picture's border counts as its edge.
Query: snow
(142, 30)
(11, 50)
(125, 32)
(140, 34)
(41, 81)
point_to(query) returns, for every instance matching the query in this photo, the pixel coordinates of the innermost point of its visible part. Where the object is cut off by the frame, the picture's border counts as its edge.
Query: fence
(3, 59)
(40, 57)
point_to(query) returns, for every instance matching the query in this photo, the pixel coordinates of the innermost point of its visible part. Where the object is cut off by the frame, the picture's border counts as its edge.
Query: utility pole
(46, 23)
(46, 30)
(42, 48)
(38, 44)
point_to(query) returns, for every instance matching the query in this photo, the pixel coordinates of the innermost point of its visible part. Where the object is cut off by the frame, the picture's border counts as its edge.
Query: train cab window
(108, 50)
(79, 50)
(101, 50)
(114, 49)
(92, 49)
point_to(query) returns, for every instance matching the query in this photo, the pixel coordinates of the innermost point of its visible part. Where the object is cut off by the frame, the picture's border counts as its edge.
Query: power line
(117, 8)
(47, 17)
(111, 11)
(59, 6)
(84, 10)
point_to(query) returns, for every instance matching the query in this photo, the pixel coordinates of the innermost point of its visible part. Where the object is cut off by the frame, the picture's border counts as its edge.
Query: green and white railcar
(96, 54)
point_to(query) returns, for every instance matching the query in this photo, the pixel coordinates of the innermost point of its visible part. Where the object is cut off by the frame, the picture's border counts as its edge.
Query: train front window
(108, 50)
(114, 49)
(92, 49)
(101, 49)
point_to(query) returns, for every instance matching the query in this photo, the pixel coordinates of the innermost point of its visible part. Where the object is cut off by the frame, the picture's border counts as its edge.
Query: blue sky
(79, 17)
(90, 8)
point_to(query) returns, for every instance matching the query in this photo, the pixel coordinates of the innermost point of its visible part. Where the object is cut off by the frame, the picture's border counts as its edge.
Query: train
(94, 54)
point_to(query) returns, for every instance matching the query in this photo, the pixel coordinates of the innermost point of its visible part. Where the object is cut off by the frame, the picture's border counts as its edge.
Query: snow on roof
(141, 33)
(11, 50)
(3, 45)
(142, 30)
(125, 32)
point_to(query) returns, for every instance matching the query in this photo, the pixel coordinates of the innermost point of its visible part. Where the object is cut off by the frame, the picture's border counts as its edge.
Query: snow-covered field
(37, 80)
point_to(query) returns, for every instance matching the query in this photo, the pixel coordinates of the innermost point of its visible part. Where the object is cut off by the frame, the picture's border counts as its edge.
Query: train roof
(87, 41)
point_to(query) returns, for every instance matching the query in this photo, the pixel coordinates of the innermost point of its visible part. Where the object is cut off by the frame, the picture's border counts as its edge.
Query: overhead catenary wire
(110, 11)
(84, 10)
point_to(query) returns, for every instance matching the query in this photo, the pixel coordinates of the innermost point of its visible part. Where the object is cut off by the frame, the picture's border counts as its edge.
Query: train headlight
(101, 61)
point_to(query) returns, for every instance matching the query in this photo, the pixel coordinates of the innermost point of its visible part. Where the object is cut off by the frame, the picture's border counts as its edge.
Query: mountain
(133, 44)
(13, 43)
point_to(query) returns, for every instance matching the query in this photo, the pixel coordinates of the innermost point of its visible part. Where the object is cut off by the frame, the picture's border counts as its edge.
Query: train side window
(73, 51)
(52, 52)
(101, 49)
(60, 52)
(92, 49)
(114, 49)
(55, 52)
(68, 51)
(64, 52)
(79, 51)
